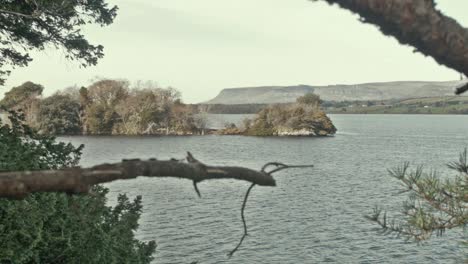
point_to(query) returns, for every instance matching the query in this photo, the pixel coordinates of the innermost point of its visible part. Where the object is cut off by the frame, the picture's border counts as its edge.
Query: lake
(314, 215)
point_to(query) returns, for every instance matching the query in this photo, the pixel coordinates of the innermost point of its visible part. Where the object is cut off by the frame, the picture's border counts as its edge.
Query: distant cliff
(366, 91)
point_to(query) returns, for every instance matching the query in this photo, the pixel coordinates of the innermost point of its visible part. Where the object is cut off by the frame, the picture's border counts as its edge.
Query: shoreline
(188, 135)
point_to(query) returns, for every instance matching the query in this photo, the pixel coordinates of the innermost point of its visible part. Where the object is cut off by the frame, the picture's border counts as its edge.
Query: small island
(302, 118)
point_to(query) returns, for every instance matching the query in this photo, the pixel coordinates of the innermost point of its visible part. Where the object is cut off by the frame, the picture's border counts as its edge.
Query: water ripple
(315, 215)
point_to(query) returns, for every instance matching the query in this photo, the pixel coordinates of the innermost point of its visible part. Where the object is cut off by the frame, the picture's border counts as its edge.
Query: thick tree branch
(419, 24)
(78, 180)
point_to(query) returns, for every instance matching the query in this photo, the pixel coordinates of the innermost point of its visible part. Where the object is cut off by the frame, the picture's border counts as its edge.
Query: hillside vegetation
(424, 105)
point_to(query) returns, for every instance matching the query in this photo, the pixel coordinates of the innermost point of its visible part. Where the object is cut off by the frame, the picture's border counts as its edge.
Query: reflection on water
(313, 215)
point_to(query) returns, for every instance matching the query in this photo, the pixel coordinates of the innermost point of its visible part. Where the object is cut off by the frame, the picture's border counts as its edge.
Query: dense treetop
(21, 94)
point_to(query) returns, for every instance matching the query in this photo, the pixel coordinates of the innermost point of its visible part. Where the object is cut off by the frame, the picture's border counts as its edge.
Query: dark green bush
(57, 227)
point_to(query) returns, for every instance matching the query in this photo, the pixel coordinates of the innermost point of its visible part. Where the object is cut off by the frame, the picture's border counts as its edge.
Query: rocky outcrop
(285, 131)
(320, 125)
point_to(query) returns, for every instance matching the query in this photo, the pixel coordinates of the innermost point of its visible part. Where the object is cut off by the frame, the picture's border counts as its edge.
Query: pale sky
(203, 46)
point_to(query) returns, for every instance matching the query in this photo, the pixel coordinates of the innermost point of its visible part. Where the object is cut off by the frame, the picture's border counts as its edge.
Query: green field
(428, 105)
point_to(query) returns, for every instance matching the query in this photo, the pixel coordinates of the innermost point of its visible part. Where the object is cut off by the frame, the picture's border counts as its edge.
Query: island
(302, 118)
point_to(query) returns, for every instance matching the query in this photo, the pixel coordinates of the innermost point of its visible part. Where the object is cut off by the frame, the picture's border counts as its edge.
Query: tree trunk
(419, 24)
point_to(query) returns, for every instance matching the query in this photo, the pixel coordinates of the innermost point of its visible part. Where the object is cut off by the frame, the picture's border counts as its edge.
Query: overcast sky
(203, 46)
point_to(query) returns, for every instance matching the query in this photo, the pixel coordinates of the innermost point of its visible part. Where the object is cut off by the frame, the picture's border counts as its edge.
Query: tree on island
(310, 99)
(106, 107)
(59, 114)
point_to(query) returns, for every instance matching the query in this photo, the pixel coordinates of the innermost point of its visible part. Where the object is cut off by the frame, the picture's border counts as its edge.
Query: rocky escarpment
(357, 92)
(261, 95)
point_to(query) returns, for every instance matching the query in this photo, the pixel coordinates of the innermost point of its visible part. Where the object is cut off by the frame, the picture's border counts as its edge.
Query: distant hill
(358, 92)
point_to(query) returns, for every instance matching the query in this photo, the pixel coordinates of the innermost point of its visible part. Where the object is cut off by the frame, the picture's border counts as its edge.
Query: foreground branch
(79, 180)
(419, 24)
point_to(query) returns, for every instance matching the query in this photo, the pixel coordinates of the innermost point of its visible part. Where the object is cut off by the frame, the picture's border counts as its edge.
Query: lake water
(314, 215)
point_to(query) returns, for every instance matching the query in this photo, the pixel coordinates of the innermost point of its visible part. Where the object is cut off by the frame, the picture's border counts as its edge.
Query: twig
(243, 221)
(196, 189)
(276, 164)
(280, 166)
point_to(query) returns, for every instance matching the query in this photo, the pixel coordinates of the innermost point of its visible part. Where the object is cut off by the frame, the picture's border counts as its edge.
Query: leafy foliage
(59, 114)
(61, 228)
(22, 94)
(32, 25)
(434, 204)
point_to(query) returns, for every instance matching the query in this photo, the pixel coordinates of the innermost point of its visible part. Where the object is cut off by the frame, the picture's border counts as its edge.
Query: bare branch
(33, 16)
(243, 221)
(78, 180)
(280, 166)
